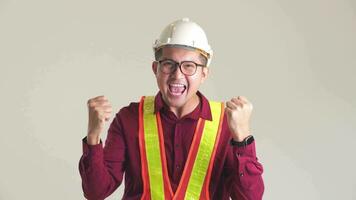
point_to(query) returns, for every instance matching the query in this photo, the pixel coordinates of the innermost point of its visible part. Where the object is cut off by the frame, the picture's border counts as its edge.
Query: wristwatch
(248, 140)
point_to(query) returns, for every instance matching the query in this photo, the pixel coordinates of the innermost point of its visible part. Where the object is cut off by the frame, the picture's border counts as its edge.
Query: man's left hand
(238, 111)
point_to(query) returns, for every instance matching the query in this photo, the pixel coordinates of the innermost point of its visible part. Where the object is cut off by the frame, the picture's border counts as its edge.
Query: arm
(247, 182)
(102, 169)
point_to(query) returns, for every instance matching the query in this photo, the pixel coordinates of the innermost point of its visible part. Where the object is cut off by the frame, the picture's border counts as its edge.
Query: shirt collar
(202, 110)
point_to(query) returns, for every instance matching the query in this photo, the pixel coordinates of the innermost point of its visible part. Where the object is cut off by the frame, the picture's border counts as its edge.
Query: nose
(177, 74)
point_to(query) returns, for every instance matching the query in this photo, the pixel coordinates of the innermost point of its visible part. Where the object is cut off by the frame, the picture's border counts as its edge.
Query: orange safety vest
(194, 183)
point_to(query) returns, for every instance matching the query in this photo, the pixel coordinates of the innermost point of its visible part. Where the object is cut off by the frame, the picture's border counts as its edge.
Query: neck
(186, 108)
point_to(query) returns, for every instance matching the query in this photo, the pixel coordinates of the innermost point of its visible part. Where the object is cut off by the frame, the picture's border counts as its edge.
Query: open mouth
(177, 89)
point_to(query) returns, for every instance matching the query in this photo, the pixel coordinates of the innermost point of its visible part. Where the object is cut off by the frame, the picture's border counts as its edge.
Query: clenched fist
(99, 110)
(238, 111)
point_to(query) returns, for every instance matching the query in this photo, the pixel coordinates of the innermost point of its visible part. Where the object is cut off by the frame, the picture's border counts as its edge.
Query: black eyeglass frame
(177, 64)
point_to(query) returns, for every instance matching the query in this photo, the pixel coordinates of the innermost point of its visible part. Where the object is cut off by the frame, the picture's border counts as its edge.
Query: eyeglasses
(169, 66)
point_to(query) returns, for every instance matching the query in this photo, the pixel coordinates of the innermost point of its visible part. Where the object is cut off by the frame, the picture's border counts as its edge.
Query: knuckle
(89, 102)
(97, 109)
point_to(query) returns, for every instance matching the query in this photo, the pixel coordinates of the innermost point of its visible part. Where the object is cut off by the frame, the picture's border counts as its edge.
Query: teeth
(177, 85)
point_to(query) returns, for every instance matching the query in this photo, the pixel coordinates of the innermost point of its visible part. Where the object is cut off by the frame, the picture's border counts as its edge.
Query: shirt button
(177, 145)
(177, 166)
(241, 174)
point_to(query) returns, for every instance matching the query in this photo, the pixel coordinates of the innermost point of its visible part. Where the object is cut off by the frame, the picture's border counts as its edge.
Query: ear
(155, 67)
(205, 73)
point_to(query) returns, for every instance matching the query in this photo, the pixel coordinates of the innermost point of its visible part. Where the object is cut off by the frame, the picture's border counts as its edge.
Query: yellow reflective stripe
(152, 149)
(205, 150)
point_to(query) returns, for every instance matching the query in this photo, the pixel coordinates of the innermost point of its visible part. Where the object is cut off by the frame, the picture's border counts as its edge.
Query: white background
(294, 60)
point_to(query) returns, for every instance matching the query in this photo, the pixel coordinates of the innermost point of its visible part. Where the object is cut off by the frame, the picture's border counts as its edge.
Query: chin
(176, 102)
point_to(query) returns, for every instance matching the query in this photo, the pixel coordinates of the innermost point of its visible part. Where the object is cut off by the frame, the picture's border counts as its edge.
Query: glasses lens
(167, 66)
(189, 68)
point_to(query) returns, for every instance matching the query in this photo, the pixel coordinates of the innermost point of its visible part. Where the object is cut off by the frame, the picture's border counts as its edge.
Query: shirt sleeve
(102, 168)
(247, 182)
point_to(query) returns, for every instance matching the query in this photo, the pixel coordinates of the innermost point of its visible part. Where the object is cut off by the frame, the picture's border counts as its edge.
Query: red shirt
(236, 171)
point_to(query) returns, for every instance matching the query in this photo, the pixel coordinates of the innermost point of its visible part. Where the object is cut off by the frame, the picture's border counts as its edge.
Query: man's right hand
(99, 110)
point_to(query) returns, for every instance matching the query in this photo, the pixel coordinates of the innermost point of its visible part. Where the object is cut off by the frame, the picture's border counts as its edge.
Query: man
(177, 144)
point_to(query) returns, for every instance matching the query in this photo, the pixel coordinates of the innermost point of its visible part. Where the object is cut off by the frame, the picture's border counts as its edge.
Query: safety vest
(194, 183)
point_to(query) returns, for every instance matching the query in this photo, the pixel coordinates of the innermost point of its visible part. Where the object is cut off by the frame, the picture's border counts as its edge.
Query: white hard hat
(187, 33)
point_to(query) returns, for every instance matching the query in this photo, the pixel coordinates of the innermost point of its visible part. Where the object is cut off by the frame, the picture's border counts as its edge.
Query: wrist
(240, 135)
(93, 139)
(238, 138)
(246, 141)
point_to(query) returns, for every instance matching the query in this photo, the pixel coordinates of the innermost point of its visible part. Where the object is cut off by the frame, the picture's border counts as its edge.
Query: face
(179, 90)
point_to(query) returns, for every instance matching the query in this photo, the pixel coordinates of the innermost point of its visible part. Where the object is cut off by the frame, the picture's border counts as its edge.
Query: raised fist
(99, 110)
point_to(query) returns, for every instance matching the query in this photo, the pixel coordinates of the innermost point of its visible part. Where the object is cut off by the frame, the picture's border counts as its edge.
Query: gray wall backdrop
(294, 60)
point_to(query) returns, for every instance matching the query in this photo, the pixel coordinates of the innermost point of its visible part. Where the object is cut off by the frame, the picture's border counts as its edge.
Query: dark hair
(159, 52)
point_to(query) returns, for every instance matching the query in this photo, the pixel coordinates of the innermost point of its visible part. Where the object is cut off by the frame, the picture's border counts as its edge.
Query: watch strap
(248, 140)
